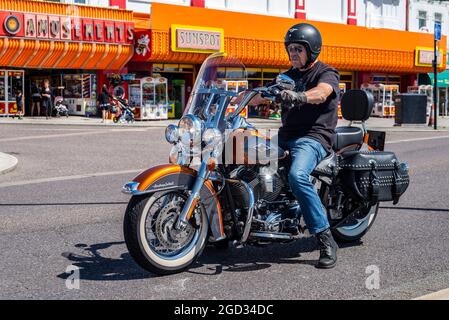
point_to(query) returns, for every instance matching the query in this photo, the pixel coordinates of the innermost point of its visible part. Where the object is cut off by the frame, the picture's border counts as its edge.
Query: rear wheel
(355, 229)
(151, 238)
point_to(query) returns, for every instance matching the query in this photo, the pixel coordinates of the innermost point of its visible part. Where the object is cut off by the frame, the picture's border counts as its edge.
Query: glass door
(15, 84)
(3, 101)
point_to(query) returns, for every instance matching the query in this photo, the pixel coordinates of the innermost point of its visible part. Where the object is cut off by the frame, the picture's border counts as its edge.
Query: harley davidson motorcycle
(228, 182)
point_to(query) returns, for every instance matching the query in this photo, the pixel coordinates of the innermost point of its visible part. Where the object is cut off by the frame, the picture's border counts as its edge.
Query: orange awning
(59, 54)
(24, 53)
(258, 40)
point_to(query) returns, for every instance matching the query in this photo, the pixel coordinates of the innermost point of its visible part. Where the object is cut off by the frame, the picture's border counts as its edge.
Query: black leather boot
(328, 250)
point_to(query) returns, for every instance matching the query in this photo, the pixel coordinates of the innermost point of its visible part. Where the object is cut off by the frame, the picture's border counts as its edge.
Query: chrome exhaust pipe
(271, 235)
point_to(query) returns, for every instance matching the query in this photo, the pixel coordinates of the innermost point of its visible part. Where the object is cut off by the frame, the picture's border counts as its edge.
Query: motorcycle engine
(266, 183)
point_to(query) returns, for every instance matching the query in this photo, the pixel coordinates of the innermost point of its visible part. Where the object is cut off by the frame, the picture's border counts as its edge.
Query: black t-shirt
(315, 121)
(103, 98)
(47, 101)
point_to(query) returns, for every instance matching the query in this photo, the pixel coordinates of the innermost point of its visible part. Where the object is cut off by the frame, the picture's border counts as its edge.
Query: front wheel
(355, 229)
(151, 238)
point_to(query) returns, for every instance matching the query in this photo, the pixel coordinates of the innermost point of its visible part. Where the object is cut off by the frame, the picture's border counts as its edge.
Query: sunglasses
(295, 49)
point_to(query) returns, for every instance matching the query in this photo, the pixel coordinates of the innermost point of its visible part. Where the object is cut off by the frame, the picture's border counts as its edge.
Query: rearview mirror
(285, 82)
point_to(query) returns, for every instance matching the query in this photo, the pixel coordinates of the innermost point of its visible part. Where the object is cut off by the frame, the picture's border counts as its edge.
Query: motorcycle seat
(346, 136)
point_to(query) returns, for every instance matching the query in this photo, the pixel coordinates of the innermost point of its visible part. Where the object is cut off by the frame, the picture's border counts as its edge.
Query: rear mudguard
(172, 177)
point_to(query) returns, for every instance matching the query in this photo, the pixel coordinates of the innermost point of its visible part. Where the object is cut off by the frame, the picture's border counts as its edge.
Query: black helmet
(307, 35)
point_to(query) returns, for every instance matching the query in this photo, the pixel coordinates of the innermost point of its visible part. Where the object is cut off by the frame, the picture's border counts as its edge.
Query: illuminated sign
(12, 24)
(54, 27)
(424, 57)
(196, 39)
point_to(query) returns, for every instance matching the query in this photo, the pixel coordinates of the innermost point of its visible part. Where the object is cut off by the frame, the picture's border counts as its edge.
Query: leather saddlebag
(373, 176)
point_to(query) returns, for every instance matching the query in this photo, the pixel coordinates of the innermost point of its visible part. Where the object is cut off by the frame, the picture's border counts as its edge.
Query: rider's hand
(291, 97)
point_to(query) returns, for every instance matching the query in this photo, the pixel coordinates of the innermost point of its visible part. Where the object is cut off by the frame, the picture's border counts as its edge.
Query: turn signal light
(212, 163)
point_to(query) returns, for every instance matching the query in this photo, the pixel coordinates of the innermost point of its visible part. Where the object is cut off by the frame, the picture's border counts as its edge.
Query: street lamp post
(437, 37)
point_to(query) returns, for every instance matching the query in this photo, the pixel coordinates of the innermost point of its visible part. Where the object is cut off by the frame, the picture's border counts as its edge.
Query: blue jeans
(306, 153)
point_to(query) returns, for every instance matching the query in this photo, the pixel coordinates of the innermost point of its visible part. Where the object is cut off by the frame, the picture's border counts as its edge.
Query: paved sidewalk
(439, 295)
(372, 123)
(7, 163)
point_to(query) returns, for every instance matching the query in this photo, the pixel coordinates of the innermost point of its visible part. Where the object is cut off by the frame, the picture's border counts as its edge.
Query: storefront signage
(12, 24)
(53, 27)
(424, 57)
(143, 45)
(197, 39)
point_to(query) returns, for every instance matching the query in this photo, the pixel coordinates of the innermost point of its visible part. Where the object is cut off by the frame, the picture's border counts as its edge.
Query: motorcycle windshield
(220, 86)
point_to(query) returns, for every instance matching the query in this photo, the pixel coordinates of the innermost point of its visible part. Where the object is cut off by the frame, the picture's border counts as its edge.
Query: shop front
(69, 46)
(175, 47)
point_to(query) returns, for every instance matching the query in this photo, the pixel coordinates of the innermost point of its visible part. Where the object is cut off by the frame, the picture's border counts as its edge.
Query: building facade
(72, 46)
(366, 40)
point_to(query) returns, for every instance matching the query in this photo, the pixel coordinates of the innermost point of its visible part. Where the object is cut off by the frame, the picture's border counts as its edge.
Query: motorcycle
(228, 182)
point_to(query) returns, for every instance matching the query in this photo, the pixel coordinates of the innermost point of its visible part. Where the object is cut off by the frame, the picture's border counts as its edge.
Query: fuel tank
(249, 147)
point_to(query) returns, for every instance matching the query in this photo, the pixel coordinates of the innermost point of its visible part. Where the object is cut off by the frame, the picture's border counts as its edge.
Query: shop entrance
(180, 84)
(11, 81)
(77, 89)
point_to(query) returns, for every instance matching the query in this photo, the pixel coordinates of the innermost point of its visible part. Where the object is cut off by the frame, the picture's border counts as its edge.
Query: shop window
(185, 68)
(172, 67)
(254, 73)
(236, 73)
(2, 86)
(73, 86)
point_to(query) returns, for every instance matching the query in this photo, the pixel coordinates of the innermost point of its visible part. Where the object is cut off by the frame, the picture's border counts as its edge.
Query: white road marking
(439, 295)
(65, 178)
(71, 134)
(417, 139)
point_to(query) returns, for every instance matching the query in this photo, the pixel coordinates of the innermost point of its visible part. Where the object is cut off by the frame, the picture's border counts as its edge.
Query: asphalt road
(62, 206)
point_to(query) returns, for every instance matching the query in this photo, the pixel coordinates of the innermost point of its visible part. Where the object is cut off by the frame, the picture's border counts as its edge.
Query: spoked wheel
(355, 229)
(151, 238)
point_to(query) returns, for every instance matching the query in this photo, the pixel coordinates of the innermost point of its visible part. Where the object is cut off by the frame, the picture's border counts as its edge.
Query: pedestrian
(104, 102)
(47, 98)
(36, 99)
(19, 104)
(309, 119)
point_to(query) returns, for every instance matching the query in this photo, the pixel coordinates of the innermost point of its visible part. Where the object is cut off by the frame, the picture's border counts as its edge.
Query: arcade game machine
(342, 87)
(236, 86)
(149, 97)
(10, 82)
(80, 93)
(384, 96)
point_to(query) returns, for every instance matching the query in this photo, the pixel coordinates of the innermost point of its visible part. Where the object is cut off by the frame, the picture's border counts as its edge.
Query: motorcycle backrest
(357, 105)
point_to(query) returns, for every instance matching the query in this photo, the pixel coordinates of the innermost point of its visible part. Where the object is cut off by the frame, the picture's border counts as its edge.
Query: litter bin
(410, 108)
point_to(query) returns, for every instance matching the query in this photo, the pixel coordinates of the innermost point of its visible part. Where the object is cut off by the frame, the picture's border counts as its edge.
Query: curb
(439, 295)
(7, 163)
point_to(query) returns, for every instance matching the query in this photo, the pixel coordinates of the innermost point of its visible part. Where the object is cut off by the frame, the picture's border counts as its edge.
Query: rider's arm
(319, 94)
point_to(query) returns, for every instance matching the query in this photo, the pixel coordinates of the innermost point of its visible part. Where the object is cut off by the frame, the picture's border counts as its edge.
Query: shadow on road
(94, 266)
(97, 267)
(252, 258)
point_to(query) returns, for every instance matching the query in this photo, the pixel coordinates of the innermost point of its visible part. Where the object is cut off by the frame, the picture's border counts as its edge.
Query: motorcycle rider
(309, 118)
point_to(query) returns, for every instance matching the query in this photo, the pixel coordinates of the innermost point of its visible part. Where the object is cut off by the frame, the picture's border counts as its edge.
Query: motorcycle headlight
(213, 140)
(177, 155)
(189, 129)
(172, 134)
(212, 137)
